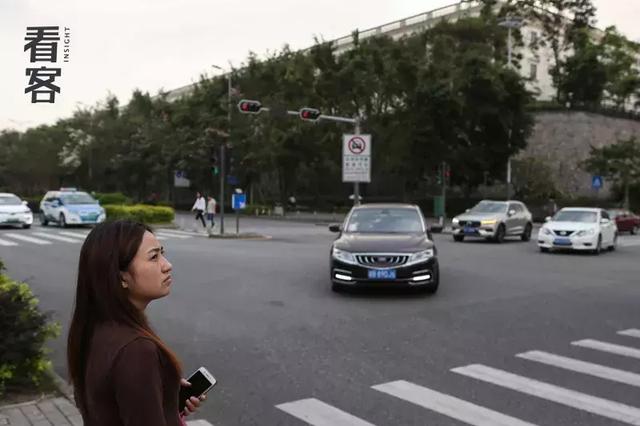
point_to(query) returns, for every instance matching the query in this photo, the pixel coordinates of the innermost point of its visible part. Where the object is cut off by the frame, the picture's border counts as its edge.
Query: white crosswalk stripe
(74, 234)
(198, 423)
(608, 347)
(592, 404)
(27, 239)
(6, 243)
(448, 405)
(179, 236)
(318, 413)
(578, 366)
(56, 237)
(632, 332)
(175, 231)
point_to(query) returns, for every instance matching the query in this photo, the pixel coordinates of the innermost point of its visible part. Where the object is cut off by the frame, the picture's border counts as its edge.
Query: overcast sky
(120, 45)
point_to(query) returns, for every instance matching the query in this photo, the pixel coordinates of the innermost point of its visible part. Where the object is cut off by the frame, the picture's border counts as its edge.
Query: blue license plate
(382, 274)
(470, 230)
(562, 242)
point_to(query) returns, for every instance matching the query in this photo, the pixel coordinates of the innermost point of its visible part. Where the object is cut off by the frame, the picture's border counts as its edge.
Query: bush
(140, 213)
(24, 331)
(112, 198)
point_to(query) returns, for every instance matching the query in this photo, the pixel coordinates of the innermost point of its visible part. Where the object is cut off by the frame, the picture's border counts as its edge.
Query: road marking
(581, 401)
(448, 405)
(578, 366)
(198, 423)
(7, 243)
(74, 234)
(632, 332)
(626, 243)
(608, 347)
(55, 237)
(175, 231)
(28, 239)
(165, 234)
(317, 413)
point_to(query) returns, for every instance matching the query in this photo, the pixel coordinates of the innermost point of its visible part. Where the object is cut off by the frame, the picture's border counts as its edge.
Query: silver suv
(494, 220)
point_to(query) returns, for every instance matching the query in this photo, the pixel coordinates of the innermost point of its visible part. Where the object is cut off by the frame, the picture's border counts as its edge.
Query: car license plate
(562, 242)
(470, 230)
(382, 274)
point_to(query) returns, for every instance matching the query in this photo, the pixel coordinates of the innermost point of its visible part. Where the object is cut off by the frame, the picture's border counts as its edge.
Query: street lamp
(223, 144)
(511, 23)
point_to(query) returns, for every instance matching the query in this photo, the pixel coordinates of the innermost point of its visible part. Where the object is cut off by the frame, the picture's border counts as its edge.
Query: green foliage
(140, 213)
(24, 330)
(532, 180)
(112, 198)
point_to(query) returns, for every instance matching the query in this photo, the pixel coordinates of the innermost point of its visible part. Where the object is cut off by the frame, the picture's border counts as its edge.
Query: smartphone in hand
(201, 382)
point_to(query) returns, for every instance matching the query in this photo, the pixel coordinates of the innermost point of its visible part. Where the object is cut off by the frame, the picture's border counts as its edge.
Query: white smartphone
(201, 382)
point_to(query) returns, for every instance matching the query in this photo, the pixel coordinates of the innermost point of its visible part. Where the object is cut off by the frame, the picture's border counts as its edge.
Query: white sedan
(586, 229)
(14, 211)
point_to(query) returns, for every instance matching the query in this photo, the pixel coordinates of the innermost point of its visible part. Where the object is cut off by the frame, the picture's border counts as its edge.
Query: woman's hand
(192, 403)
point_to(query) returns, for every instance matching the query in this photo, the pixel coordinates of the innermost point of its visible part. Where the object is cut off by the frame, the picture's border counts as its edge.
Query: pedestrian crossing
(318, 413)
(46, 237)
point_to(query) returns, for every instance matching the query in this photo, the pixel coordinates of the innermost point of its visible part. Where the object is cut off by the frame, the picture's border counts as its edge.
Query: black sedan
(384, 245)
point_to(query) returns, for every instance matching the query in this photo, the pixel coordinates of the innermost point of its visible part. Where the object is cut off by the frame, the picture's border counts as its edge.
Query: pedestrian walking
(211, 210)
(199, 207)
(121, 371)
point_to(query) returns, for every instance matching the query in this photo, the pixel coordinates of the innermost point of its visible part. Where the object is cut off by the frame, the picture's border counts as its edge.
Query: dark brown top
(129, 381)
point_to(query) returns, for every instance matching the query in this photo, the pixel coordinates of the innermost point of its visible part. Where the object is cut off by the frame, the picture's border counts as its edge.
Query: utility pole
(223, 149)
(356, 185)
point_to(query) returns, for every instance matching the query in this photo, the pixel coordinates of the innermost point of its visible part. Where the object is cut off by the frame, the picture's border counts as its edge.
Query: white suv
(14, 211)
(69, 206)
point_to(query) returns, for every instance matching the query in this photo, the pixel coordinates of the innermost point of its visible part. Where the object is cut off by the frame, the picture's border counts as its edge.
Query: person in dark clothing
(122, 373)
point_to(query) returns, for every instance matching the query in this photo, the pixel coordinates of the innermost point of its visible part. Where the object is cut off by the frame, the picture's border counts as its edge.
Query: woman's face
(149, 274)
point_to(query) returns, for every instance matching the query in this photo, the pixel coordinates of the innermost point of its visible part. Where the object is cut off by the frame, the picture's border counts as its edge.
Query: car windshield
(489, 207)
(10, 200)
(383, 220)
(576, 216)
(78, 198)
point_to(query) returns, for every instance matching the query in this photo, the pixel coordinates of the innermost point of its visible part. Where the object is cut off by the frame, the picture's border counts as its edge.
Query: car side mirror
(511, 213)
(334, 228)
(604, 221)
(547, 219)
(467, 210)
(24, 203)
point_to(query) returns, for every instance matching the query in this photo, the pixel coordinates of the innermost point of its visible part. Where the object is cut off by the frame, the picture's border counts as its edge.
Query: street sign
(180, 179)
(597, 182)
(239, 201)
(356, 158)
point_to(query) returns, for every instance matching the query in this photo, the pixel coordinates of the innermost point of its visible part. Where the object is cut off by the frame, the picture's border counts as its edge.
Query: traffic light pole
(356, 185)
(444, 193)
(223, 171)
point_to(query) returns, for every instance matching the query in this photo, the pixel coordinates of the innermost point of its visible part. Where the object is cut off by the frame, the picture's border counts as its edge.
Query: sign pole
(356, 185)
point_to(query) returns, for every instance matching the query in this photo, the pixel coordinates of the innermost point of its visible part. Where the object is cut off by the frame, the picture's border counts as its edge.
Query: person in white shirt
(199, 207)
(211, 210)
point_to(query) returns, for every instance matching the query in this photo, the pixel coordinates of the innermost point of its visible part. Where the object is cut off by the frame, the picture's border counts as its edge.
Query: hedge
(112, 198)
(24, 330)
(140, 213)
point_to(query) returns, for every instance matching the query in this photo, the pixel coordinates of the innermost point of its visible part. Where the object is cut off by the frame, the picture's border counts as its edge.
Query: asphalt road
(261, 316)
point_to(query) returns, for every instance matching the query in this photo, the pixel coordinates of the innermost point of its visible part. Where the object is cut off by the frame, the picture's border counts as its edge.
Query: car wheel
(614, 244)
(458, 238)
(62, 221)
(544, 250)
(598, 249)
(43, 220)
(500, 233)
(526, 236)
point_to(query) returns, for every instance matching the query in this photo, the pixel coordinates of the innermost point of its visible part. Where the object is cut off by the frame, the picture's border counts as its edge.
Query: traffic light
(249, 107)
(309, 114)
(213, 160)
(447, 173)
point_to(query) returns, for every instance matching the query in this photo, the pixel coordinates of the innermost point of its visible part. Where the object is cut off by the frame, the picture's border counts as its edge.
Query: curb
(63, 387)
(254, 237)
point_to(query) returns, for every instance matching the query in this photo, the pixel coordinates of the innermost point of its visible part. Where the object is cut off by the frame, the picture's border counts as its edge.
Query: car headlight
(546, 231)
(586, 232)
(343, 256)
(489, 222)
(421, 256)
(455, 221)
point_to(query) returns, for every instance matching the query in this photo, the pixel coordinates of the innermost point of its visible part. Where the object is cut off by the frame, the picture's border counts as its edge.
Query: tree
(619, 57)
(619, 162)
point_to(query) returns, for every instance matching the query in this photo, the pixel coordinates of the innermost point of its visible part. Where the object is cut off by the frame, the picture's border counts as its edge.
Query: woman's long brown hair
(107, 252)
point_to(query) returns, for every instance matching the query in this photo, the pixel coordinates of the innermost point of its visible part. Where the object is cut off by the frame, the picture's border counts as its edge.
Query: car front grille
(471, 223)
(562, 233)
(381, 260)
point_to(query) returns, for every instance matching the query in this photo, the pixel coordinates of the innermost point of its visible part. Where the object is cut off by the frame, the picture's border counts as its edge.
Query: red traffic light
(249, 107)
(309, 114)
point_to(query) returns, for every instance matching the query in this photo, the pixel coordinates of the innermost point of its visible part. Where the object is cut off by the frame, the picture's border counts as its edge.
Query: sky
(117, 46)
